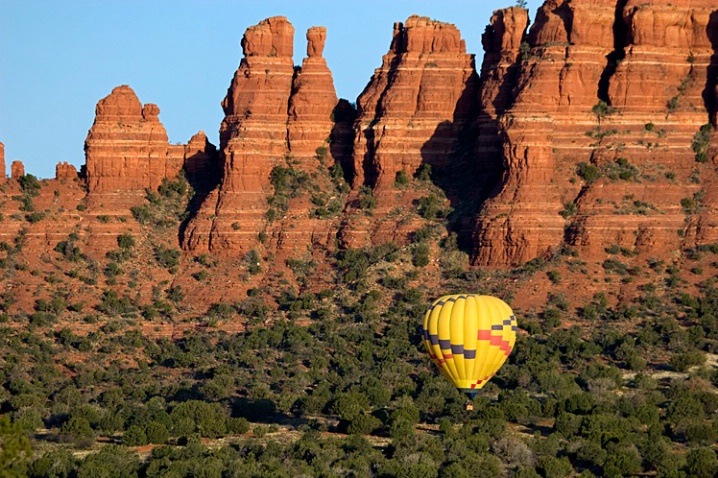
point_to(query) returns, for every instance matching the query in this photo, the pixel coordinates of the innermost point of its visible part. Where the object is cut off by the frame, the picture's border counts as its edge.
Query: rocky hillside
(587, 141)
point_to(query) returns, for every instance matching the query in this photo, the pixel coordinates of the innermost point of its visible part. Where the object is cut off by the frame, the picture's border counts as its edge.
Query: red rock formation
(253, 139)
(201, 163)
(17, 170)
(260, 90)
(2, 161)
(425, 90)
(580, 52)
(64, 170)
(312, 102)
(274, 116)
(127, 151)
(664, 42)
(502, 43)
(411, 113)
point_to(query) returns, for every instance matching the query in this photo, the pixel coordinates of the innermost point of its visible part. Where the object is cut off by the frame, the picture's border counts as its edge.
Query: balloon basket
(469, 406)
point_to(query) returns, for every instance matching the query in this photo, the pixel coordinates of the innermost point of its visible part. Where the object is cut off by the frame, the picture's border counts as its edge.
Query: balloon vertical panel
(469, 337)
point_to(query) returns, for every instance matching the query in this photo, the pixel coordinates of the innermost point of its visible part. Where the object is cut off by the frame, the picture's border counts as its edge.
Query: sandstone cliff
(2, 161)
(589, 133)
(597, 140)
(415, 111)
(312, 101)
(64, 170)
(126, 151)
(415, 104)
(276, 116)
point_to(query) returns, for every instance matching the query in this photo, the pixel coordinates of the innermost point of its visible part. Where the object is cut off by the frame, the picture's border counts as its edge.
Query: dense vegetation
(334, 382)
(590, 398)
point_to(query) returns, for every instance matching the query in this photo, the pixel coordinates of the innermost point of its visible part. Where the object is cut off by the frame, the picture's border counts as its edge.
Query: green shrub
(424, 172)
(701, 142)
(142, 214)
(125, 241)
(554, 276)
(588, 172)
(29, 184)
(402, 179)
(430, 206)
(134, 436)
(366, 198)
(602, 109)
(156, 432)
(420, 255)
(167, 257)
(34, 217)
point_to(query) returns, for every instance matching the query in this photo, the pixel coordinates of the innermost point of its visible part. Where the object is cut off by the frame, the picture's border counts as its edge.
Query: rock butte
(275, 114)
(64, 170)
(651, 65)
(582, 131)
(17, 170)
(126, 151)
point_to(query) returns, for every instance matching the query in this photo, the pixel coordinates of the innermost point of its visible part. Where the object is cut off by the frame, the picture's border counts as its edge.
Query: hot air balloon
(469, 337)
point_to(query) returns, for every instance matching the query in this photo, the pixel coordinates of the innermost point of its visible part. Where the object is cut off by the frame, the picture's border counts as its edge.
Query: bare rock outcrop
(201, 162)
(64, 170)
(597, 139)
(126, 151)
(253, 140)
(424, 92)
(2, 161)
(17, 170)
(413, 112)
(276, 116)
(312, 102)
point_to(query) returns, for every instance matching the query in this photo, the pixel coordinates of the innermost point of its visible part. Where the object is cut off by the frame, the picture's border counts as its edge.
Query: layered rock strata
(126, 152)
(312, 102)
(415, 104)
(412, 113)
(502, 42)
(603, 112)
(276, 115)
(64, 170)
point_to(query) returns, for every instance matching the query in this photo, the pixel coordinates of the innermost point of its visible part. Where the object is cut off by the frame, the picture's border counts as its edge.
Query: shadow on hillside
(466, 176)
(341, 137)
(710, 93)
(203, 172)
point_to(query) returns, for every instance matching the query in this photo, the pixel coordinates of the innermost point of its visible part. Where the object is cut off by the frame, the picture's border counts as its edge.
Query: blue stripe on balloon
(457, 349)
(442, 302)
(470, 354)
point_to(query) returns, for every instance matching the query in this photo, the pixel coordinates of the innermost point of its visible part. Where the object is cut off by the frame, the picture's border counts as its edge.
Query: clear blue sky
(58, 58)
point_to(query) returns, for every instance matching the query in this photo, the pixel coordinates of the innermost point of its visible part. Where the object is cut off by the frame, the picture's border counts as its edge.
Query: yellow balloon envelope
(469, 337)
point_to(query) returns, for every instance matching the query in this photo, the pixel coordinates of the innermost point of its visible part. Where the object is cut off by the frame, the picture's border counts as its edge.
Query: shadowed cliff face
(594, 85)
(425, 79)
(710, 94)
